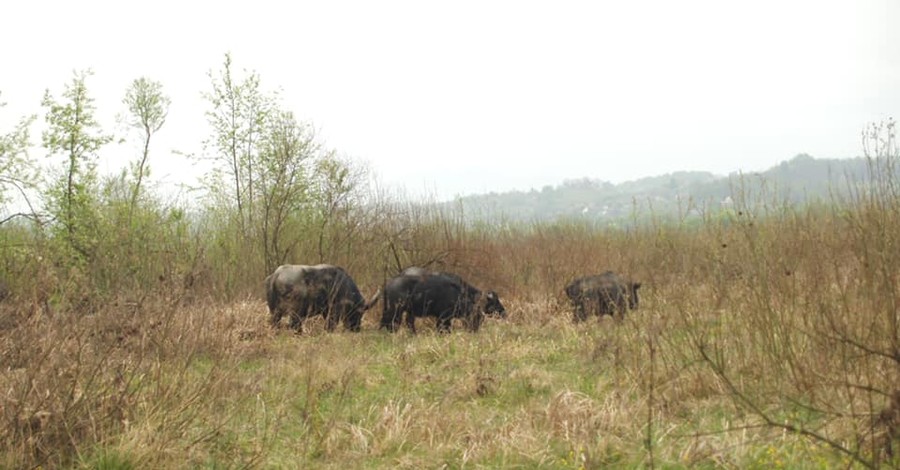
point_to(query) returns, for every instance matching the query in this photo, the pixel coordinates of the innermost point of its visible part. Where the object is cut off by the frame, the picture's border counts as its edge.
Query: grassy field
(133, 332)
(765, 338)
(214, 386)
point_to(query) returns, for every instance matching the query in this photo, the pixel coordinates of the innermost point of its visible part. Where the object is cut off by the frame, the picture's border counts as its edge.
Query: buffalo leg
(397, 316)
(275, 315)
(387, 316)
(392, 314)
(473, 321)
(618, 313)
(298, 315)
(411, 322)
(443, 324)
(352, 322)
(332, 316)
(580, 314)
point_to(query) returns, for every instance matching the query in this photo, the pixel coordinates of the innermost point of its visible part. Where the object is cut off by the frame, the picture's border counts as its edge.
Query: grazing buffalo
(603, 294)
(301, 291)
(417, 271)
(445, 296)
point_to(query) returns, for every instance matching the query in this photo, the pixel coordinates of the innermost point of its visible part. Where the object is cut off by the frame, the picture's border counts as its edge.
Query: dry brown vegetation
(764, 338)
(767, 336)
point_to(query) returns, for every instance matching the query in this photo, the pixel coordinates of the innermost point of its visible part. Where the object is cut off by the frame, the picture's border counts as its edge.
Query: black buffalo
(416, 271)
(445, 296)
(602, 294)
(323, 289)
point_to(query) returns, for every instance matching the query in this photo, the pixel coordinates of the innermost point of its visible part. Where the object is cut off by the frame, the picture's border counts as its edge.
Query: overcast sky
(467, 97)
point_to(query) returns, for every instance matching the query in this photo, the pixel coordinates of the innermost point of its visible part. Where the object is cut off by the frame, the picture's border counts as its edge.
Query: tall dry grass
(146, 375)
(767, 336)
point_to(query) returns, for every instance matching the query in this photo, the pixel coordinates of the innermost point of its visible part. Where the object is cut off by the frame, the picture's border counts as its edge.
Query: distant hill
(803, 178)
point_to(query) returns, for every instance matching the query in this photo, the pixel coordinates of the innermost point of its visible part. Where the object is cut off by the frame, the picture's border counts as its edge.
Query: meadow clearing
(761, 341)
(134, 331)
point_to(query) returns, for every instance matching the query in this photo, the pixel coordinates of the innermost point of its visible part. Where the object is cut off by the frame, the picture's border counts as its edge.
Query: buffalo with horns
(602, 294)
(445, 296)
(323, 289)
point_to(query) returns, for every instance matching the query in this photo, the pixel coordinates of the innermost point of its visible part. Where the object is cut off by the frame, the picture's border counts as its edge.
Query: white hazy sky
(462, 97)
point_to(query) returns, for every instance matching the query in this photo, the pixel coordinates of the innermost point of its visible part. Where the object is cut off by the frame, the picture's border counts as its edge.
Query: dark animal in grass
(422, 272)
(416, 271)
(492, 306)
(301, 291)
(445, 296)
(602, 294)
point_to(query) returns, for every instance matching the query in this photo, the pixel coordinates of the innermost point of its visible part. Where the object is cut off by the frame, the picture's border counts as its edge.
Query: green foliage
(147, 105)
(143, 250)
(238, 114)
(15, 168)
(274, 187)
(337, 185)
(73, 133)
(136, 336)
(288, 151)
(107, 460)
(148, 108)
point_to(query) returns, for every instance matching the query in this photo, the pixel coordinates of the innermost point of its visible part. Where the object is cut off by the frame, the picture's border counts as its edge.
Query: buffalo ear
(636, 285)
(492, 295)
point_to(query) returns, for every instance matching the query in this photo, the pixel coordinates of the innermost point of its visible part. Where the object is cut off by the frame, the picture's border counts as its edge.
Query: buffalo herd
(300, 291)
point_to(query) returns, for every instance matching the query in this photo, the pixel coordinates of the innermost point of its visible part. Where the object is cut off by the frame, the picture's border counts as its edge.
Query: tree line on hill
(679, 195)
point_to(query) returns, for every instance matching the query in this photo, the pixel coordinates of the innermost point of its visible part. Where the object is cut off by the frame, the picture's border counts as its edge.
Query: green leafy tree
(74, 133)
(148, 108)
(338, 185)
(15, 168)
(237, 117)
(287, 152)
(272, 181)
